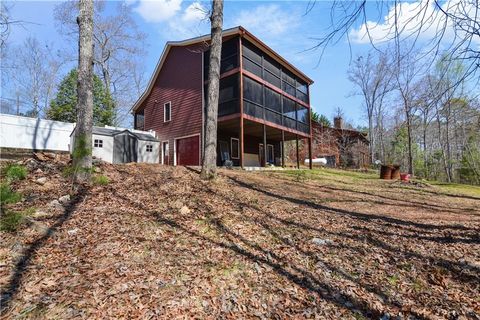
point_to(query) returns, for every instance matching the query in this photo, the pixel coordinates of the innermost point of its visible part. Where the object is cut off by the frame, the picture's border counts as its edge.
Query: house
(264, 101)
(341, 147)
(119, 145)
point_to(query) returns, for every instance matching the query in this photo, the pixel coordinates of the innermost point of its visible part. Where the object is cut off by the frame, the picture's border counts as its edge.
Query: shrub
(15, 172)
(7, 195)
(101, 180)
(10, 221)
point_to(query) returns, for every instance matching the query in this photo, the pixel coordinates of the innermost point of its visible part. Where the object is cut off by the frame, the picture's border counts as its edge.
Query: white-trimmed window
(167, 112)
(149, 148)
(235, 148)
(98, 143)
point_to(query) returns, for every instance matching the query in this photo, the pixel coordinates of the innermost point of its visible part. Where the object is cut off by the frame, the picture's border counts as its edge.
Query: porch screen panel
(302, 114)
(273, 116)
(253, 110)
(252, 91)
(289, 108)
(228, 98)
(273, 100)
(252, 67)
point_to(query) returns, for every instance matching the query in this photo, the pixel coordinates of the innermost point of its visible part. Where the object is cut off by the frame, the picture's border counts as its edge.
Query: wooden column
(283, 149)
(298, 154)
(310, 165)
(241, 137)
(264, 145)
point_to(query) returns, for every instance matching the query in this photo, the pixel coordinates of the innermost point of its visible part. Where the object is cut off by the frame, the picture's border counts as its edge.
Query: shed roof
(101, 131)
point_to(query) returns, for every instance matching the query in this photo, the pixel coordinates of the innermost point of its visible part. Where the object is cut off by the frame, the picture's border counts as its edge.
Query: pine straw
(157, 242)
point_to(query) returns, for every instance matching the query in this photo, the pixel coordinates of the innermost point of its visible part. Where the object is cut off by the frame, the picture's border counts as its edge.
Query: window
(235, 147)
(97, 143)
(149, 148)
(167, 112)
(139, 120)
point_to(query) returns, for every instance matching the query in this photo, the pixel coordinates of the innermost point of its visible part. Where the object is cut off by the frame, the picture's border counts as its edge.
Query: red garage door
(188, 151)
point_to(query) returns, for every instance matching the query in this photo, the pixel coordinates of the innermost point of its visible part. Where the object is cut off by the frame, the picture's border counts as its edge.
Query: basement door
(188, 151)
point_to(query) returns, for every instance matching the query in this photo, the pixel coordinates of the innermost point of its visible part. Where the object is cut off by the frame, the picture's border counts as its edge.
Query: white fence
(36, 134)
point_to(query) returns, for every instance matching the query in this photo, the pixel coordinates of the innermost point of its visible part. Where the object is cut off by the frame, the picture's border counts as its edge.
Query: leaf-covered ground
(157, 242)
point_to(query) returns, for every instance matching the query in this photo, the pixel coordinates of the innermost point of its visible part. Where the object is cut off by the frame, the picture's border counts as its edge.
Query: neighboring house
(264, 100)
(341, 147)
(119, 145)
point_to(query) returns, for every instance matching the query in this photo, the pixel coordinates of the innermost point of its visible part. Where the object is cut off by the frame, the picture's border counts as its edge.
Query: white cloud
(195, 12)
(408, 17)
(158, 10)
(268, 20)
(420, 19)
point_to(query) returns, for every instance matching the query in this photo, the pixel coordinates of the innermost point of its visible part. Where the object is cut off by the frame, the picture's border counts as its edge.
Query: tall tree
(63, 106)
(209, 163)
(82, 149)
(33, 69)
(372, 76)
(119, 47)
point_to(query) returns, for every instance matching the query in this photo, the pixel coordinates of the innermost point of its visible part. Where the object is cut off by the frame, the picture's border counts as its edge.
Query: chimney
(338, 122)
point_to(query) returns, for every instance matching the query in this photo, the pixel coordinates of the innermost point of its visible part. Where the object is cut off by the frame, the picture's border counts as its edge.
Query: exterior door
(270, 154)
(165, 153)
(261, 155)
(188, 151)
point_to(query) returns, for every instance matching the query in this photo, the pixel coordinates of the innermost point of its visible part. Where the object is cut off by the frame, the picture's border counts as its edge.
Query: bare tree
(209, 163)
(452, 26)
(407, 72)
(82, 150)
(33, 70)
(118, 44)
(374, 82)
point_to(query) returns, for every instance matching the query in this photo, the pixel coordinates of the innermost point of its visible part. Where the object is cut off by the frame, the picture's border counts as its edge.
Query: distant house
(118, 145)
(264, 101)
(341, 147)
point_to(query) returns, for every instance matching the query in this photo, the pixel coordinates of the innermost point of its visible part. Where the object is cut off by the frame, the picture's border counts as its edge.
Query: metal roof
(101, 131)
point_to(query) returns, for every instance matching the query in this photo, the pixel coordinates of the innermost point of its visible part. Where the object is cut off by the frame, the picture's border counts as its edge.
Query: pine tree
(63, 106)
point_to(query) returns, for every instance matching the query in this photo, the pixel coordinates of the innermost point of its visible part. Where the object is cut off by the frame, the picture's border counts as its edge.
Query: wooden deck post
(283, 149)
(310, 165)
(298, 154)
(241, 102)
(265, 145)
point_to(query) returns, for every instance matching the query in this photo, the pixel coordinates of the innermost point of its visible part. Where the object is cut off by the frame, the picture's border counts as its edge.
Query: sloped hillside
(148, 241)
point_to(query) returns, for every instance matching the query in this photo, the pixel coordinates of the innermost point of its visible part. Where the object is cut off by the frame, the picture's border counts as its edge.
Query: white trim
(175, 147)
(163, 155)
(170, 113)
(231, 148)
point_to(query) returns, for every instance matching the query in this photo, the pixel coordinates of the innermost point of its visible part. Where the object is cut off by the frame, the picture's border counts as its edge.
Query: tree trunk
(209, 164)
(82, 150)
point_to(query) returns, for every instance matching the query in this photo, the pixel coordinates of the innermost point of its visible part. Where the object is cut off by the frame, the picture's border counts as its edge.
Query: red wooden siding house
(264, 101)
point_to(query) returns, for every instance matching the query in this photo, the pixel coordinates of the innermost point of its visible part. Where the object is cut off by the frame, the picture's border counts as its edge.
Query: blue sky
(283, 25)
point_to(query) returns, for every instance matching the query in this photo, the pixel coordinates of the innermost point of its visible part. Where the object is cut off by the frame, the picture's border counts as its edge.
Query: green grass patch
(11, 220)
(14, 172)
(457, 188)
(7, 195)
(100, 180)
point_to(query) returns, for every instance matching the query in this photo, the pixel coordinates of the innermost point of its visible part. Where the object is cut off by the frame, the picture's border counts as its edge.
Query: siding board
(179, 82)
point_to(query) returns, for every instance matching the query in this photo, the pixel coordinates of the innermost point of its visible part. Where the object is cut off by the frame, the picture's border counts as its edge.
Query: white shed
(118, 145)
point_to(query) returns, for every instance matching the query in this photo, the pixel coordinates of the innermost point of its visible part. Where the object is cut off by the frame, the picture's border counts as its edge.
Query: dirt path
(159, 243)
